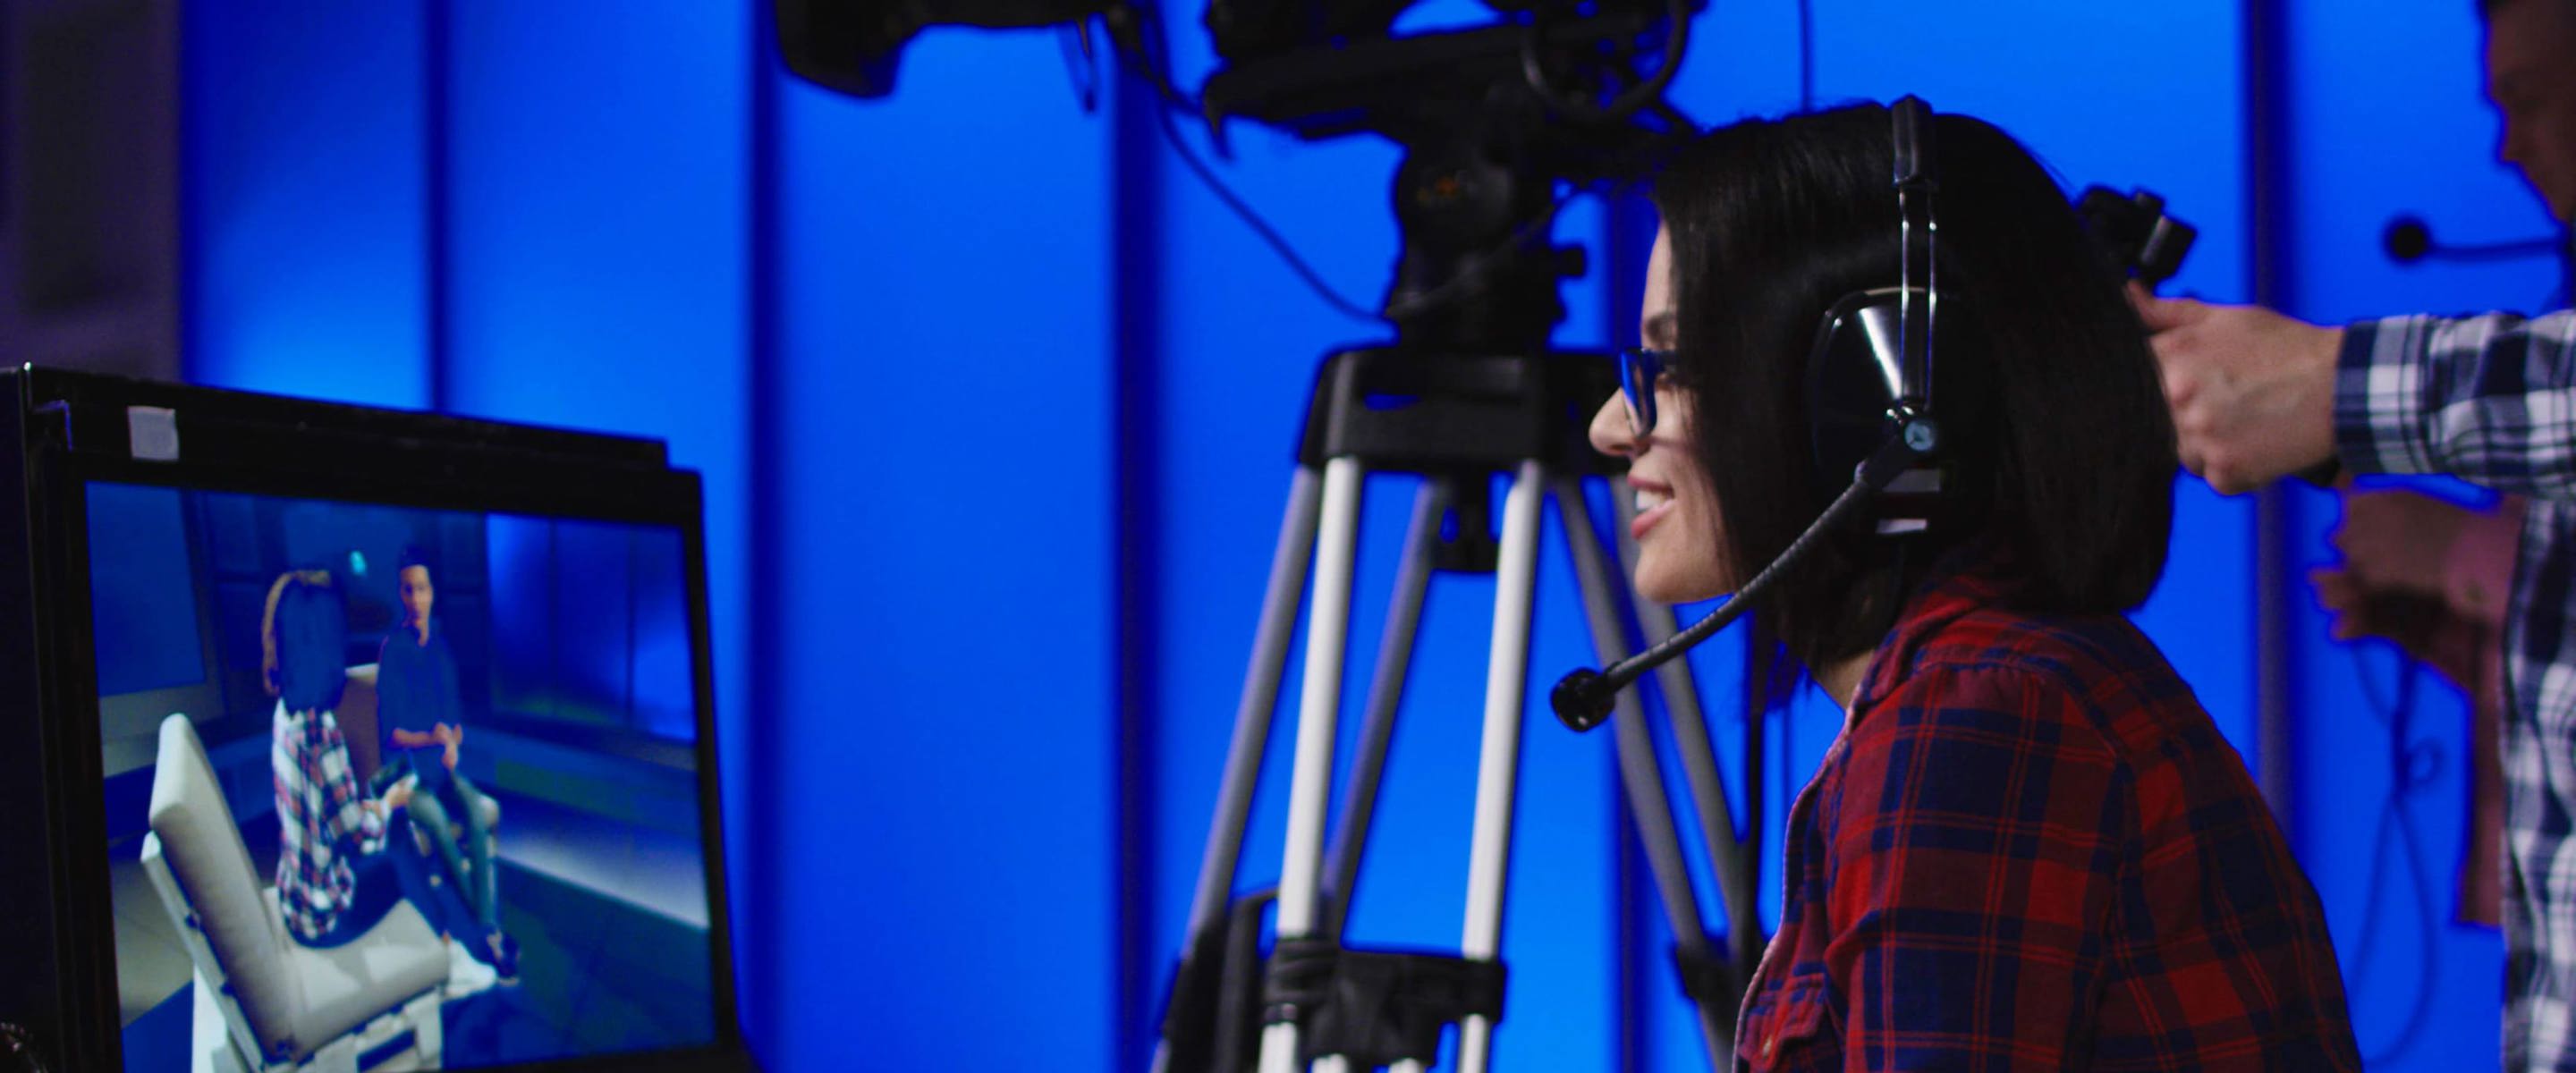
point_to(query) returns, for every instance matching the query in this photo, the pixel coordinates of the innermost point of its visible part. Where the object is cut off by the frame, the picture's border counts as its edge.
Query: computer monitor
(398, 743)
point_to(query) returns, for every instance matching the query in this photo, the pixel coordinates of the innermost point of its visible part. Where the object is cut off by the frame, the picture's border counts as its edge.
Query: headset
(1869, 398)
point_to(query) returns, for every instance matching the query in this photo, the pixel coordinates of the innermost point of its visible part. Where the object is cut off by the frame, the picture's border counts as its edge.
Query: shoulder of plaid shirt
(2030, 848)
(2491, 399)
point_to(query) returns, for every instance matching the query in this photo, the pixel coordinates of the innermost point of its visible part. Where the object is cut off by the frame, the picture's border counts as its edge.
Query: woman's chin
(1662, 589)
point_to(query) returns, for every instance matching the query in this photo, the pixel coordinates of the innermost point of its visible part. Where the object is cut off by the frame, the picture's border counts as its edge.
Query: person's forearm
(2489, 399)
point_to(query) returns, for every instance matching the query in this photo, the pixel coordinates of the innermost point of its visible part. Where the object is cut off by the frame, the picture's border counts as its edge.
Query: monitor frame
(69, 430)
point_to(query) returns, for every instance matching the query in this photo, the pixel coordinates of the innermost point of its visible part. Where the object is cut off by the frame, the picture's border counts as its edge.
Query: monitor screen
(415, 788)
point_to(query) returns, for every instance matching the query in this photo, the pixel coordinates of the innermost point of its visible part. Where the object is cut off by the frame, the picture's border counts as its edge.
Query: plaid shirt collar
(1960, 582)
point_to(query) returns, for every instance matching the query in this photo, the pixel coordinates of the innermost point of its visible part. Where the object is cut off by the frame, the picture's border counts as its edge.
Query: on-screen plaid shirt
(2492, 399)
(320, 820)
(2031, 849)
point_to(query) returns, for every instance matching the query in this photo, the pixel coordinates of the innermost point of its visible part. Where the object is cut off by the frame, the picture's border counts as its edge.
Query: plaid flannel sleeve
(350, 819)
(1974, 858)
(2490, 399)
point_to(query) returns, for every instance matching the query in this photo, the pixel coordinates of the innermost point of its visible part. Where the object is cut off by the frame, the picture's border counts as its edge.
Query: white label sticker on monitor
(153, 433)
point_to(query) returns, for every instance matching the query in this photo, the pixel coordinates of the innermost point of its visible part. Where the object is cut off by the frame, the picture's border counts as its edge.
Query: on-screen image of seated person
(2029, 847)
(344, 858)
(422, 724)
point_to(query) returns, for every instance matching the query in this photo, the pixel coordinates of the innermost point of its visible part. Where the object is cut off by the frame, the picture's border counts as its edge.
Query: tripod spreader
(1710, 980)
(1377, 1007)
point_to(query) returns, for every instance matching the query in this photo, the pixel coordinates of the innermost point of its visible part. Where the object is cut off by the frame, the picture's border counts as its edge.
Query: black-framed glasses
(1639, 369)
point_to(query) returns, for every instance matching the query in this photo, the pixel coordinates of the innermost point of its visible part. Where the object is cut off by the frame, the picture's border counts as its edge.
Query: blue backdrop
(972, 358)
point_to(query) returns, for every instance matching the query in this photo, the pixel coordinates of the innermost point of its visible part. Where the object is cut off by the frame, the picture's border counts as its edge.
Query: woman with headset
(2029, 847)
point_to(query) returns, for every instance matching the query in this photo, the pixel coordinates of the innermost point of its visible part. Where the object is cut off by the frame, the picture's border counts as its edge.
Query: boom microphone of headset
(2409, 239)
(1584, 698)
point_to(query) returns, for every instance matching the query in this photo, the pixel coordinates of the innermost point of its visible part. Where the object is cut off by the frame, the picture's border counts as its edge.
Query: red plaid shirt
(2031, 849)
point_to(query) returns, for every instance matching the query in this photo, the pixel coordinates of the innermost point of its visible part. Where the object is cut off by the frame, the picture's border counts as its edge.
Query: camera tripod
(1456, 420)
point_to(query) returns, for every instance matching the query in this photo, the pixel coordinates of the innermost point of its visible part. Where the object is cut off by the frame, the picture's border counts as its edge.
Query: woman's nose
(1610, 433)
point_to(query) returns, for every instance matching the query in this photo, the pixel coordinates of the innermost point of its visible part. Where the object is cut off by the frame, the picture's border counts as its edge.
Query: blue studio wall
(996, 403)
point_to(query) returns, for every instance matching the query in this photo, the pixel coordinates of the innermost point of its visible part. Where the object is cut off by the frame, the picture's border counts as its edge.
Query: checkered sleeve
(2490, 399)
(1974, 864)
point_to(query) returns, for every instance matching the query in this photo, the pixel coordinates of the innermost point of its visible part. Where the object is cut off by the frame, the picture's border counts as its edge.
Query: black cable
(2412, 767)
(1476, 264)
(1081, 65)
(1630, 101)
(1150, 39)
(1260, 226)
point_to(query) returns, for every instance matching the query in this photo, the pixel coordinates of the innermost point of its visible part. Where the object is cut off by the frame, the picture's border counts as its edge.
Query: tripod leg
(1735, 875)
(1640, 770)
(1251, 731)
(1317, 712)
(1506, 691)
(1386, 694)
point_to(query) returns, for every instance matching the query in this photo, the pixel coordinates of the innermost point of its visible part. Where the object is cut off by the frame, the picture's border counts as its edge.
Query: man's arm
(2257, 396)
(2490, 399)
(2252, 391)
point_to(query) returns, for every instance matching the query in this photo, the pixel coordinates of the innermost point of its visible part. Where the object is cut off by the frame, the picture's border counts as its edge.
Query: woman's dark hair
(303, 636)
(2061, 447)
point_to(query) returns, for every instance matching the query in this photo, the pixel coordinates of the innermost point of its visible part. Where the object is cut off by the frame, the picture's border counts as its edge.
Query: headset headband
(1915, 185)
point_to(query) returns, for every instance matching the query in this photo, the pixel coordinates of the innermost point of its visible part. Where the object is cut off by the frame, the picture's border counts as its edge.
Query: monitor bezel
(613, 484)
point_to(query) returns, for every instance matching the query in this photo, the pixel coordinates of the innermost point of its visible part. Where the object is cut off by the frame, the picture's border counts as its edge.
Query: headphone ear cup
(1853, 382)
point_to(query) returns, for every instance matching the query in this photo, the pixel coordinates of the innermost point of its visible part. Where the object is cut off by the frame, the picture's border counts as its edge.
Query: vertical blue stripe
(1136, 350)
(945, 649)
(436, 182)
(2270, 181)
(756, 801)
